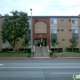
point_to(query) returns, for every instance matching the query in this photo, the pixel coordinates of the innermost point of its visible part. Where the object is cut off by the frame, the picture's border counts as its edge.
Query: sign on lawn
(76, 76)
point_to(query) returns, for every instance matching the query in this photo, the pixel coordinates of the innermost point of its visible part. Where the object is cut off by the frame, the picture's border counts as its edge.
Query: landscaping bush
(51, 53)
(25, 50)
(67, 49)
(28, 50)
(29, 55)
(5, 50)
(57, 49)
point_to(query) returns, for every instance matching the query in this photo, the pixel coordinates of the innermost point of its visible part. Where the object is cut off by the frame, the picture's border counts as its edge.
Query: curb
(40, 58)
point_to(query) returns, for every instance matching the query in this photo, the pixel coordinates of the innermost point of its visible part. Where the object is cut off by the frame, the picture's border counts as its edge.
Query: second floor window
(53, 31)
(53, 21)
(74, 21)
(74, 31)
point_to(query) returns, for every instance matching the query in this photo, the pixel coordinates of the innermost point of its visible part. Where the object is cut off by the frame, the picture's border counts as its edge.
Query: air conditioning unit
(36, 20)
(69, 29)
(69, 19)
(58, 29)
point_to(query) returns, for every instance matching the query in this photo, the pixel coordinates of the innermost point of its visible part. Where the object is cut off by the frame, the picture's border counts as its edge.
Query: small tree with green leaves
(14, 27)
(54, 42)
(74, 42)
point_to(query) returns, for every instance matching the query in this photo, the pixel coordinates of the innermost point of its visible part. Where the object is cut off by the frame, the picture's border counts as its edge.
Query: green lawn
(24, 55)
(67, 54)
(6, 54)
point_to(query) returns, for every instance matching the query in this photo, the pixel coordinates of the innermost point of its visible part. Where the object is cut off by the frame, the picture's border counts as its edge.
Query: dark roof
(55, 16)
(52, 16)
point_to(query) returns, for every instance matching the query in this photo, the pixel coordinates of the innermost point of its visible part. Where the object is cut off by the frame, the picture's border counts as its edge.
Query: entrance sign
(40, 27)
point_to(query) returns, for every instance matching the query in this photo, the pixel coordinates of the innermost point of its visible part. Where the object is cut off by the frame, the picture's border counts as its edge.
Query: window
(5, 41)
(62, 20)
(53, 36)
(63, 39)
(62, 29)
(53, 31)
(53, 21)
(75, 21)
(74, 31)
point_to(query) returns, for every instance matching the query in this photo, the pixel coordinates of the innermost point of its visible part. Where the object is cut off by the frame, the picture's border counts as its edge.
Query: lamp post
(31, 35)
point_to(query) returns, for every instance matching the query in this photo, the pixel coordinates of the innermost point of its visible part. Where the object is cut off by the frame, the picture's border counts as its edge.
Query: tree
(26, 39)
(73, 42)
(14, 27)
(54, 42)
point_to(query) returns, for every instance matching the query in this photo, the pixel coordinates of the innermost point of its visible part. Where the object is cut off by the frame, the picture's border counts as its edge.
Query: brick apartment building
(46, 27)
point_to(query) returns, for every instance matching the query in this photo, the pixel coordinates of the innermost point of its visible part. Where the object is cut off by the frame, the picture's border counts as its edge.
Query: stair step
(41, 52)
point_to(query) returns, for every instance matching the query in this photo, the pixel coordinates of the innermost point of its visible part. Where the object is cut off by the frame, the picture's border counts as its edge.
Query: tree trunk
(72, 49)
(13, 48)
(54, 49)
(14, 45)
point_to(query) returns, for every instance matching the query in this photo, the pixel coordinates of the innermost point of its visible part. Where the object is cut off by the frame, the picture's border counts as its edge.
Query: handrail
(33, 48)
(48, 49)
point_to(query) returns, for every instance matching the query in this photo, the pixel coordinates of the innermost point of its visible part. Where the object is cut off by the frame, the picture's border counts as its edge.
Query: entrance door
(42, 42)
(37, 42)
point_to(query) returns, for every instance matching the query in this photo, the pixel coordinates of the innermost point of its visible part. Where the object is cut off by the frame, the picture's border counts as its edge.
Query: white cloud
(70, 2)
(41, 7)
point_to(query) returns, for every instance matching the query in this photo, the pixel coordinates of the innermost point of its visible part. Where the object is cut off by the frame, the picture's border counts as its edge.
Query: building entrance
(42, 42)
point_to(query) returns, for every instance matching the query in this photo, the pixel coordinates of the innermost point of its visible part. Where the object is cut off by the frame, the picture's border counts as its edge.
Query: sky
(41, 7)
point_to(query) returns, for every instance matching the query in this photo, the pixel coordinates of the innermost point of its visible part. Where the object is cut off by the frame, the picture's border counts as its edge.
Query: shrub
(28, 55)
(5, 49)
(67, 49)
(51, 53)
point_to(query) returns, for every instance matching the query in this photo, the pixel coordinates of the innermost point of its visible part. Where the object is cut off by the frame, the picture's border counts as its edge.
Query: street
(51, 69)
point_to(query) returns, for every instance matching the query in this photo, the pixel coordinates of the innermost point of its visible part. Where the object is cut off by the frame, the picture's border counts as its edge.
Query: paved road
(53, 69)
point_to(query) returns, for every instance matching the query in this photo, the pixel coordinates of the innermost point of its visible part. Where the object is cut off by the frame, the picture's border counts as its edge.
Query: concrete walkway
(41, 52)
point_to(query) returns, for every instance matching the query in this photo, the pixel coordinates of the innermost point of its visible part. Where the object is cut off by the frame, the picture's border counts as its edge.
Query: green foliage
(51, 53)
(67, 49)
(28, 51)
(25, 42)
(54, 42)
(5, 49)
(28, 55)
(73, 42)
(14, 27)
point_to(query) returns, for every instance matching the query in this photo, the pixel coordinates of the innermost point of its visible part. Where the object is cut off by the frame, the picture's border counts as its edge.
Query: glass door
(44, 42)
(37, 42)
